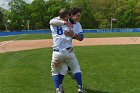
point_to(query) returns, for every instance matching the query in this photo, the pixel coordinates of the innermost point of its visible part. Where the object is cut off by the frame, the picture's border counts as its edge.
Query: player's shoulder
(77, 24)
(56, 18)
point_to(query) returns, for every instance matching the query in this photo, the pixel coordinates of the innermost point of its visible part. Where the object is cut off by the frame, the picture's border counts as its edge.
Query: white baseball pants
(61, 59)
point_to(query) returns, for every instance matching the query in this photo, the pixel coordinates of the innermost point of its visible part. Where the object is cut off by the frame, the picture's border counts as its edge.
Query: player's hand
(68, 24)
(69, 33)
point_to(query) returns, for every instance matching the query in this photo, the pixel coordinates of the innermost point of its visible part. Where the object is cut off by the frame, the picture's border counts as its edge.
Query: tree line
(96, 14)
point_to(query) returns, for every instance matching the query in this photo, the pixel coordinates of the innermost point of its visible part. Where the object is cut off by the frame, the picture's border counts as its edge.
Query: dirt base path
(8, 46)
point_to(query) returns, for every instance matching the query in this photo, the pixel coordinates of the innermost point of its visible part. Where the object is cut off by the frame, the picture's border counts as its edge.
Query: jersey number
(59, 31)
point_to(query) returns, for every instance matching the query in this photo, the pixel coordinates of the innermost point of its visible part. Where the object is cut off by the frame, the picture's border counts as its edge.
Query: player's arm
(57, 22)
(79, 35)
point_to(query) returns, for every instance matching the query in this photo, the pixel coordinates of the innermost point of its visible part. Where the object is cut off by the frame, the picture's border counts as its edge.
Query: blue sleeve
(81, 36)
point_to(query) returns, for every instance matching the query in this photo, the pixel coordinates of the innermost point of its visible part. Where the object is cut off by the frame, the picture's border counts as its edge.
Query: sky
(4, 3)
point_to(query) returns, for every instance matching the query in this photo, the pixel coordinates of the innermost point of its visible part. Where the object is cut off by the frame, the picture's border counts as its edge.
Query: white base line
(7, 42)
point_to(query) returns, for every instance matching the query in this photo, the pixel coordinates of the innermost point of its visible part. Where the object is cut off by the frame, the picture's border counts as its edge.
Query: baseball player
(63, 54)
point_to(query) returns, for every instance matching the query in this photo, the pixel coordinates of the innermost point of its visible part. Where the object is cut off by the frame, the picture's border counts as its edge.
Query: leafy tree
(1, 17)
(43, 11)
(137, 14)
(17, 12)
(39, 25)
(2, 25)
(104, 10)
(125, 13)
(95, 13)
(37, 14)
(52, 9)
(88, 20)
(14, 27)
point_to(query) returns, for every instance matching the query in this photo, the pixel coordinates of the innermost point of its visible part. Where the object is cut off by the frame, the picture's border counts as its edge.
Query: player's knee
(76, 70)
(54, 72)
(63, 71)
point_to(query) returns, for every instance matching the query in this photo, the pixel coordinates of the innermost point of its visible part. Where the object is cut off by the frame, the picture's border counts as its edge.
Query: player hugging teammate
(64, 29)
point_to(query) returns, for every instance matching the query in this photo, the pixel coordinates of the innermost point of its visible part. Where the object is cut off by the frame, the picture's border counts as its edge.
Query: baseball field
(105, 68)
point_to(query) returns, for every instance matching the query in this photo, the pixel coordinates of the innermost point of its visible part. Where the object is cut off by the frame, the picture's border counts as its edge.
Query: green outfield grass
(106, 69)
(87, 35)
(26, 37)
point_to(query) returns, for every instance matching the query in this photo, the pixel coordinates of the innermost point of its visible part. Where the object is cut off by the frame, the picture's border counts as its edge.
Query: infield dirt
(8, 46)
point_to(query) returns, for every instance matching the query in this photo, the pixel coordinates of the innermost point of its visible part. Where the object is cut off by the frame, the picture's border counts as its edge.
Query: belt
(57, 50)
(70, 49)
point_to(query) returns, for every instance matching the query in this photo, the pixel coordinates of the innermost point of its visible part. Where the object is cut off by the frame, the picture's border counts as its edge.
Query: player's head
(75, 14)
(64, 13)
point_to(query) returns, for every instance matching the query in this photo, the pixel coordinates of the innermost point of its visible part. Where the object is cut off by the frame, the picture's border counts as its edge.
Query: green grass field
(106, 69)
(87, 35)
(27, 37)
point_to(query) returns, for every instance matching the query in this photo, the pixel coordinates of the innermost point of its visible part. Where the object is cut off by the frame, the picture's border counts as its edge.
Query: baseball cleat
(60, 89)
(81, 91)
(71, 75)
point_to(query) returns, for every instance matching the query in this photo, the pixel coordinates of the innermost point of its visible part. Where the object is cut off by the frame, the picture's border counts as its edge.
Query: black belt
(70, 49)
(57, 50)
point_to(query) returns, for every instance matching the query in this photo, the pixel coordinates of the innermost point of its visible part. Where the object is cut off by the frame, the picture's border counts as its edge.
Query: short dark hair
(64, 12)
(75, 11)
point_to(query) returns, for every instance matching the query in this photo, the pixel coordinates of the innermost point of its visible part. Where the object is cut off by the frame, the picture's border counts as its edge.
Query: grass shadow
(98, 91)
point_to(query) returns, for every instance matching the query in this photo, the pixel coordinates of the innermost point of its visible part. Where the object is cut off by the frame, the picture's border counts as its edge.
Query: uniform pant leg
(56, 63)
(72, 62)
